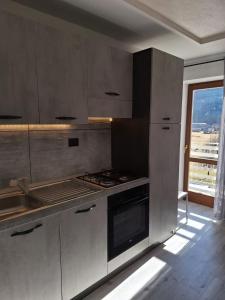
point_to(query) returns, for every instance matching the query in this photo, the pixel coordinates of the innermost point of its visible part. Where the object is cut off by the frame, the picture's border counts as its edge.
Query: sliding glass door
(204, 110)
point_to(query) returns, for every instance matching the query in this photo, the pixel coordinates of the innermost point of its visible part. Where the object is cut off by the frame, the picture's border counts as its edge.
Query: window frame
(193, 196)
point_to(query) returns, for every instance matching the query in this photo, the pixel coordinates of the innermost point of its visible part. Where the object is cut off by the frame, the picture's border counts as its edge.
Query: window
(205, 101)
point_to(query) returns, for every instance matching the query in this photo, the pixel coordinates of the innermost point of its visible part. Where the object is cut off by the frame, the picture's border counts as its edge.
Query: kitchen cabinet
(49, 75)
(166, 87)
(151, 139)
(109, 108)
(109, 81)
(164, 171)
(18, 88)
(30, 261)
(83, 247)
(61, 75)
(157, 86)
(154, 152)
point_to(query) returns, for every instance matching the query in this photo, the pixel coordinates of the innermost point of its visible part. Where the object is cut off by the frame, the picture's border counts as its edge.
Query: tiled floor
(189, 266)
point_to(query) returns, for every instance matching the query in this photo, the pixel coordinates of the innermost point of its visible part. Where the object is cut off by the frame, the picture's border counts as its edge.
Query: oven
(128, 219)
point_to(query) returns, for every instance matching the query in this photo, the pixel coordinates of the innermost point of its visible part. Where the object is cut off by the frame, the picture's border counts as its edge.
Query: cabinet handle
(9, 117)
(166, 128)
(114, 94)
(66, 118)
(166, 119)
(81, 211)
(26, 231)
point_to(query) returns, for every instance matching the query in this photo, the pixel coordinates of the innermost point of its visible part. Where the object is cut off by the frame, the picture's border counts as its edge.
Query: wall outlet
(73, 142)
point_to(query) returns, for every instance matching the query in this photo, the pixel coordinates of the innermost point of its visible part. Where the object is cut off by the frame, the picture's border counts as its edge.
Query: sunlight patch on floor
(186, 233)
(181, 210)
(202, 217)
(135, 282)
(192, 223)
(175, 244)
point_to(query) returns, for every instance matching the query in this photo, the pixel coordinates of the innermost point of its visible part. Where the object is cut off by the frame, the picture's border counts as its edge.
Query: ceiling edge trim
(213, 38)
(166, 22)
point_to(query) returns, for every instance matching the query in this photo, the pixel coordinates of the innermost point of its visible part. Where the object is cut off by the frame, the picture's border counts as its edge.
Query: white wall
(193, 74)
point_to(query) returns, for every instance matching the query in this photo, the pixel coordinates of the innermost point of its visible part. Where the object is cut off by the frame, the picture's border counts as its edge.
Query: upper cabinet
(166, 87)
(109, 81)
(158, 83)
(18, 88)
(61, 76)
(49, 75)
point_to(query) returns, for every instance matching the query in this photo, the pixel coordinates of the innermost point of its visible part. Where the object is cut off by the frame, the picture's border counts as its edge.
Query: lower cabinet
(56, 257)
(30, 261)
(83, 232)
(164, 166)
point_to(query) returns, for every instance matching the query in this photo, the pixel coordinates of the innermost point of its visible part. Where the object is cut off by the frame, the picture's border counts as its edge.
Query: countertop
(45, 211)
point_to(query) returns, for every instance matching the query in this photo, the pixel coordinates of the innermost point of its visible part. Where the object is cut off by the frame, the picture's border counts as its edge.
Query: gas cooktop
(107, 178)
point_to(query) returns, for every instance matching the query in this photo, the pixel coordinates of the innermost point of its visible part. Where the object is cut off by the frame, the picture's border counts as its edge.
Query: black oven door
(128, 224)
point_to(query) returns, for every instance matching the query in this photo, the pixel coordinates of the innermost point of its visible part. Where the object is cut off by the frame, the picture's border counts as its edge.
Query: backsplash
(14, 156)
(45, 154)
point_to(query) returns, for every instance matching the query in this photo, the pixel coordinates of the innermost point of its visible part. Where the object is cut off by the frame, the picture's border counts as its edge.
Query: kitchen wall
(44, 154)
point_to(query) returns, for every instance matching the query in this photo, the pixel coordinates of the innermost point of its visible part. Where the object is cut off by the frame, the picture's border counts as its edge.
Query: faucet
(22, 183)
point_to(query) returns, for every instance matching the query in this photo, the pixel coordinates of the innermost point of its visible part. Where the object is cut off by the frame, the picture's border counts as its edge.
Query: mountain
(207, 105)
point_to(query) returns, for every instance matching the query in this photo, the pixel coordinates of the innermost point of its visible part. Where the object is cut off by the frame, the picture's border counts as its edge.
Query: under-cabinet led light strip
(25, 127)
(99, 120)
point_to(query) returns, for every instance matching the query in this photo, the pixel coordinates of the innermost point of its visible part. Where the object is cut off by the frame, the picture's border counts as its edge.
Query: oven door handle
(131, 203)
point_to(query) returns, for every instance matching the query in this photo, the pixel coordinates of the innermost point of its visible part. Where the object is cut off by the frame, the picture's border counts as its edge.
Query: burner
(124, 178)
(107, 183)
(107, 178)
(107, 173)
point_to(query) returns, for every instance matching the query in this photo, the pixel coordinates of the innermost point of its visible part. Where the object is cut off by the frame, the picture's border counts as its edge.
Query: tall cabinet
(165, 116)
(148, 145)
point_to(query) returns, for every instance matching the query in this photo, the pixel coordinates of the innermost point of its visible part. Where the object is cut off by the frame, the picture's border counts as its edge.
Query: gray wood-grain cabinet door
(164, 171)
(109, 81)
(62, 79)
(166, 87)
(18, 85)
(83, 247)
(30, 261)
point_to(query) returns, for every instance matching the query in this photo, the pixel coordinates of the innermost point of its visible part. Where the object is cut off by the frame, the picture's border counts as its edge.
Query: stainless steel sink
(16, 204)
(62, 191)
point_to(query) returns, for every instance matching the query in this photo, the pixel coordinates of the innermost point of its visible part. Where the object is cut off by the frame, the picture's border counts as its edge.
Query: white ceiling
(201, 20)
(179, 27)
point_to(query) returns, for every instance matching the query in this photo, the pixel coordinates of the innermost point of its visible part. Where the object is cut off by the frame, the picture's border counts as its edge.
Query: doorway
(204, 109)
